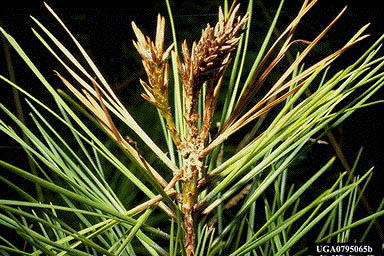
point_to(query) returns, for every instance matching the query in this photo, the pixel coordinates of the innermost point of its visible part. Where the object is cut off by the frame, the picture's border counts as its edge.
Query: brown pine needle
(112, 125)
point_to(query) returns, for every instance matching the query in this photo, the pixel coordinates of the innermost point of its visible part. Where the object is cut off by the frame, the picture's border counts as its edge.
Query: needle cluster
(205, 63)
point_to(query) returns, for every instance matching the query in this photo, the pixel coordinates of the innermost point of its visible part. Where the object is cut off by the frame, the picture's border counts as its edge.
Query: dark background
(105, 32)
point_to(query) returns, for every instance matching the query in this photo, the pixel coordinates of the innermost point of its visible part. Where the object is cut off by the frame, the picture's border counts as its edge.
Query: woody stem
(165, 112)
(192, 167)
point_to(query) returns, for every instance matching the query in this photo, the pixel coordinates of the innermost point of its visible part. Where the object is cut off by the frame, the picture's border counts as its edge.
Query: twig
(347, 167)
